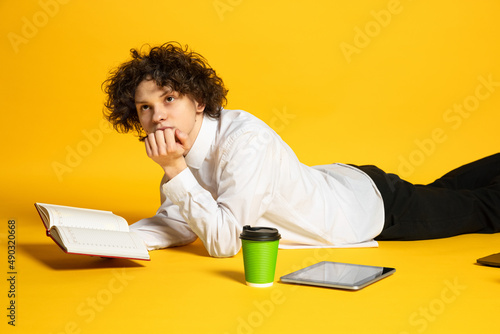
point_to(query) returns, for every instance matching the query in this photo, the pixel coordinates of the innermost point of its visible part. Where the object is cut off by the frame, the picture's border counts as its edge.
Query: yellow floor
(437, 288)
(410, 86)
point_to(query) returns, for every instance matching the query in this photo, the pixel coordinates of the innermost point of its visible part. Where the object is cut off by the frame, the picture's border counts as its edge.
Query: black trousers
(465, 200)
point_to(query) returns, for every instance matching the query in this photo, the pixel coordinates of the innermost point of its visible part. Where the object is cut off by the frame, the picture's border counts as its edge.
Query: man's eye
(170, 99)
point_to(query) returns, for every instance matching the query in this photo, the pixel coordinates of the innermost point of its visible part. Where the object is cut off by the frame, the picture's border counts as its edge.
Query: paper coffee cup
(260, 251)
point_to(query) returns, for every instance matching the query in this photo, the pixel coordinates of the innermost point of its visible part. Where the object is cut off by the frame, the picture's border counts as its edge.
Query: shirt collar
(202, 143)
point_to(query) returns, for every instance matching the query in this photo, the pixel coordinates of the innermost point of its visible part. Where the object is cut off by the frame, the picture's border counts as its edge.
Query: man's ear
(200, 107)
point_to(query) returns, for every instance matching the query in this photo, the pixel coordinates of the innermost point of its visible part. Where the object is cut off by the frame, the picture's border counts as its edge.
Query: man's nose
(160, 114)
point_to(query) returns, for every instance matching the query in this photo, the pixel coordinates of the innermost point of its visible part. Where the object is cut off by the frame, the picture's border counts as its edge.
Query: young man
(224, 169)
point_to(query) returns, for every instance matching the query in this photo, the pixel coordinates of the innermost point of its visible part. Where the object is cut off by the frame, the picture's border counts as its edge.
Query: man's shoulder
(238, 128)
(232, 121)
(229, 115)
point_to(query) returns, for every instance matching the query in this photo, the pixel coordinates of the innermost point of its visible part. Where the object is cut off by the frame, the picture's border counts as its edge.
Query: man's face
(159, 108)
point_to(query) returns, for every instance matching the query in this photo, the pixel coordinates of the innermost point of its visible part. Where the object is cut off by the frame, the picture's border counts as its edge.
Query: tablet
(492, 260)
(338, 275)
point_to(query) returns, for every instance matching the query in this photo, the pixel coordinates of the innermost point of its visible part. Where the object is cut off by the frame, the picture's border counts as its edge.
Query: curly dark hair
(169, 65)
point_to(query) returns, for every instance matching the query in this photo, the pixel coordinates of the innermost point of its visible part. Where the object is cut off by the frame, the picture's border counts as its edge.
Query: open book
(91, 232)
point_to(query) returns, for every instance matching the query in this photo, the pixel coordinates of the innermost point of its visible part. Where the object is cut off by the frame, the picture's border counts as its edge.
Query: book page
(101, 243)
(78, 217)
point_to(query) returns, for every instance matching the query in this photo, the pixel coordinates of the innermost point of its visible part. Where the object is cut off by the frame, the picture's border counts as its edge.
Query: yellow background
(366, 82)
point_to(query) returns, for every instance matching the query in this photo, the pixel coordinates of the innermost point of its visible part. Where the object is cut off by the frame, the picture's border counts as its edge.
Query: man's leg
(438, 210)
(473, 175)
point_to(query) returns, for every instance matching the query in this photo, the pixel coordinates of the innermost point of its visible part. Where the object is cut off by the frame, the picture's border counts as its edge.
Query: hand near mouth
(167, 147)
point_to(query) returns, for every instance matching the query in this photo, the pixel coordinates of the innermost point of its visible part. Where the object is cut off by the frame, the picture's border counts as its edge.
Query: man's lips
(163, 128)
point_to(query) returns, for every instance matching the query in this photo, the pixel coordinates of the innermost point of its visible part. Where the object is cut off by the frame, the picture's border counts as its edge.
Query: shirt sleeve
(165, 229)
(244, 189)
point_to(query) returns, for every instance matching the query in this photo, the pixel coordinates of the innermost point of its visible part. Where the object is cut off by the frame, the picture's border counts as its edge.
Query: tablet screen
(338, 275)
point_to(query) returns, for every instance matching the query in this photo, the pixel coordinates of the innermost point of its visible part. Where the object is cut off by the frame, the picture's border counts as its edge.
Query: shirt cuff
(177, 188)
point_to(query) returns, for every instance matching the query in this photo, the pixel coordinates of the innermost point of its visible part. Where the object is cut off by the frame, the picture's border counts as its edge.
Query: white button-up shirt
(240, 172)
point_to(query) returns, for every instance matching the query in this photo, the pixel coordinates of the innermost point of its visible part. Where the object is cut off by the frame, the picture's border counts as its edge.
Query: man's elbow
(222, 252)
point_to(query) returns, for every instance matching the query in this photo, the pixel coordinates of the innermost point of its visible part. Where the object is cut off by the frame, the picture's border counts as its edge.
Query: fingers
(162, 143)
(184, 140)
(182, 137)
(165, 147)
(149, 151)
(154, 145)
(169, 139)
